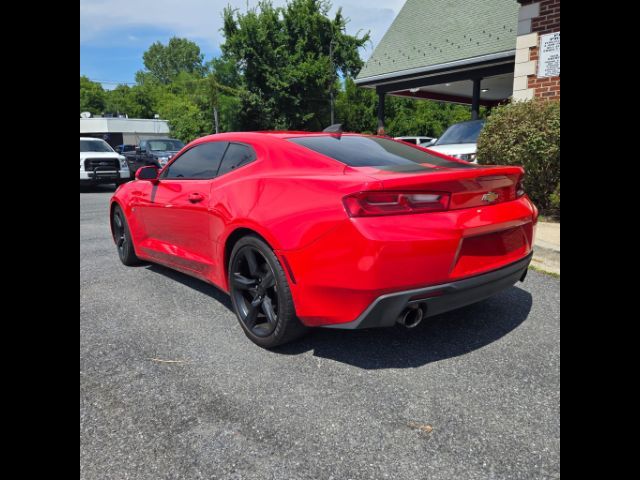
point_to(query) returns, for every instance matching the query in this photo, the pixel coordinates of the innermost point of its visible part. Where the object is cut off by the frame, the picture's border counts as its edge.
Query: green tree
(356, 108)
(92, 96)
(283, 56)
(186, 120)
(407, 116)
(225, 84)
(135, 102)
(165, 62)
(225, 72)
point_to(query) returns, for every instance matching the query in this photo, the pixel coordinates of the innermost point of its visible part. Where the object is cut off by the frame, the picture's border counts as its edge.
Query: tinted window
(95, 146)
(165, 145)
(200, 162)
(466, 132)
(357, 151)
(236, 156)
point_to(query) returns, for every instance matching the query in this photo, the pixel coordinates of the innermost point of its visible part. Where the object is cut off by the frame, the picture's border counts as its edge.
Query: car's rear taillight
(369, 204)
(520, 187)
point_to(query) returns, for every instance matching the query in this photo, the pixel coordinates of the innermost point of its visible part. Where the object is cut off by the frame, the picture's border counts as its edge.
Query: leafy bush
(555, 199)
(527, 134)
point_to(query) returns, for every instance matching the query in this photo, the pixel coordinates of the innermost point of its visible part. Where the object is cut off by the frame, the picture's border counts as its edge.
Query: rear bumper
(436, 299)
(340, 275)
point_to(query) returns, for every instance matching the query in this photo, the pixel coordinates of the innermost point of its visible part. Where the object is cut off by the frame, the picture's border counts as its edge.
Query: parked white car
(99, 163)
(416, 140)
(459, 140)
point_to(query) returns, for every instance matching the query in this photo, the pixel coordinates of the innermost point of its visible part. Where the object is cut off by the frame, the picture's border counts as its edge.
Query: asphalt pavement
(170, 387)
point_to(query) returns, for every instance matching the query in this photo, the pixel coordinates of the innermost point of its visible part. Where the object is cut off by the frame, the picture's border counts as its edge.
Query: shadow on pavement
(192, 282)
(437, 338)
(443, 336)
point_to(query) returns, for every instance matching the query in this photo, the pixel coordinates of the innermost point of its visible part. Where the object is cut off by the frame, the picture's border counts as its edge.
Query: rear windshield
(165, 145)
(466, 132)
(94, 146)
(361, 151)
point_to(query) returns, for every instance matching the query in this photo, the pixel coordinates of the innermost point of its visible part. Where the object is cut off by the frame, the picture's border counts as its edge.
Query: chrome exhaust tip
(411, 316)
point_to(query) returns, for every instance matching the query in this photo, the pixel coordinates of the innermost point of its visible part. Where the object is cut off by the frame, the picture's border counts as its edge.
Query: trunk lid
(468, 187)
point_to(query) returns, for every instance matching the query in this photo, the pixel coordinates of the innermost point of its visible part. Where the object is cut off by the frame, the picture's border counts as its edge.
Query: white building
(118, 131)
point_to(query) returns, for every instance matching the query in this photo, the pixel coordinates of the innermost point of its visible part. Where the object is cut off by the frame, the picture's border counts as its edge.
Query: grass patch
(548, 219)
(538, 269)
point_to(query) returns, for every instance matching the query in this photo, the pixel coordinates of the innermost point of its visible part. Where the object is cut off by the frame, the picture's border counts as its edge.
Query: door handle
(195, 197)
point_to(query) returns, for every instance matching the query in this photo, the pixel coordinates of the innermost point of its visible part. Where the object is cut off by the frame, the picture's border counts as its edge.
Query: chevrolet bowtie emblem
(490, 197)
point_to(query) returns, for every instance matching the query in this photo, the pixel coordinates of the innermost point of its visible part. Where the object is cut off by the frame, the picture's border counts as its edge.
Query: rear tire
(122, 238)
(261, 295)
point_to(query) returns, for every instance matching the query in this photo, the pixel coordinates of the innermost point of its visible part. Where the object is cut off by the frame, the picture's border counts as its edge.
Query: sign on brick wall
(549, 56)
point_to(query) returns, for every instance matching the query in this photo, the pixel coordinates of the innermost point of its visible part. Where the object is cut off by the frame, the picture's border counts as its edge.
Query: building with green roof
(456, 51)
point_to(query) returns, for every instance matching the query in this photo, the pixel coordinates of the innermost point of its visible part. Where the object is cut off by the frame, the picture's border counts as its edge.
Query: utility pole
(332, 81)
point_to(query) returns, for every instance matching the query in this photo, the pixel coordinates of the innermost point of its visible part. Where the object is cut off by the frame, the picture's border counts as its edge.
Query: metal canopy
(460, 52)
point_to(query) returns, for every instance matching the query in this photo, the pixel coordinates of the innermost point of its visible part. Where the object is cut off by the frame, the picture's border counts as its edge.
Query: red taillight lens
(369, 204)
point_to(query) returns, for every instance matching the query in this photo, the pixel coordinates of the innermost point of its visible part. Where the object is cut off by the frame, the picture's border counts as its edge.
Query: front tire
(122, 238)
(261, 295)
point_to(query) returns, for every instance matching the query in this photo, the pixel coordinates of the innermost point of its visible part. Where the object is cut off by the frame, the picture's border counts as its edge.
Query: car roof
(158, 138)
(91, 138)
(290, 133)
(267, 134)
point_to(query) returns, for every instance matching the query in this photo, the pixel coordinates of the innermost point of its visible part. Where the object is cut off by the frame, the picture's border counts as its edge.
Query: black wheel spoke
(252, 316)
(242, 282)
(257, 300)
(119, 232)
(268, 280)
(267, 308)
(252, 263)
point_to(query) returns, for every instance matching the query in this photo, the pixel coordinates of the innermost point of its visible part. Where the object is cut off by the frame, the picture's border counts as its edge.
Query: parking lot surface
(170, 387)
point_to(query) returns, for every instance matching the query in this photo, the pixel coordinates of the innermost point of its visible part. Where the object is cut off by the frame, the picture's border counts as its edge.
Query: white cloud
(102, 22)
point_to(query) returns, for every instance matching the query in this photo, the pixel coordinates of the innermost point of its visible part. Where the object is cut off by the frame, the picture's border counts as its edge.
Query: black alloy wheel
(122, 238)
(254, 291)
(261, 295)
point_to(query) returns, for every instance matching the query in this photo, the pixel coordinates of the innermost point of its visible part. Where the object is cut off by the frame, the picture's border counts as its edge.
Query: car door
(147, 156)
(236, 156)
(175, 215)
(136, 156)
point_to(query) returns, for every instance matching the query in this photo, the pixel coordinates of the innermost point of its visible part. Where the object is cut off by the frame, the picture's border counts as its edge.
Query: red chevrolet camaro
(328, 229)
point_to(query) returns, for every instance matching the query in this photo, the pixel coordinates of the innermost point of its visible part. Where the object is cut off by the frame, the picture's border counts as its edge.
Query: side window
(236, 156)
(200, 162)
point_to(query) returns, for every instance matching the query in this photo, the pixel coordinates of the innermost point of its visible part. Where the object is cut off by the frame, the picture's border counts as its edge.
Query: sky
(115, 33)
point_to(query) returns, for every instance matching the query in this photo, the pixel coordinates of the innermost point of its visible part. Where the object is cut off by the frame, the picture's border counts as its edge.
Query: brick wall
(547, 88)
(549, 19)
(537, 17)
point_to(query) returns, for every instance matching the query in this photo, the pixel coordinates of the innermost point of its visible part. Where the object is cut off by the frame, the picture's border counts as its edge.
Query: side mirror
(429, 143)
(138, 151)
(147, 173)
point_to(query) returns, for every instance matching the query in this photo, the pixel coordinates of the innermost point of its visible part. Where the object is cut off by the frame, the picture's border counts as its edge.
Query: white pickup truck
(99, 163)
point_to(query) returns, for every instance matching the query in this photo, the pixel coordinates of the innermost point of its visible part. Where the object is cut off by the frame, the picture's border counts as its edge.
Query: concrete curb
(546, 259)
(547, 246)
